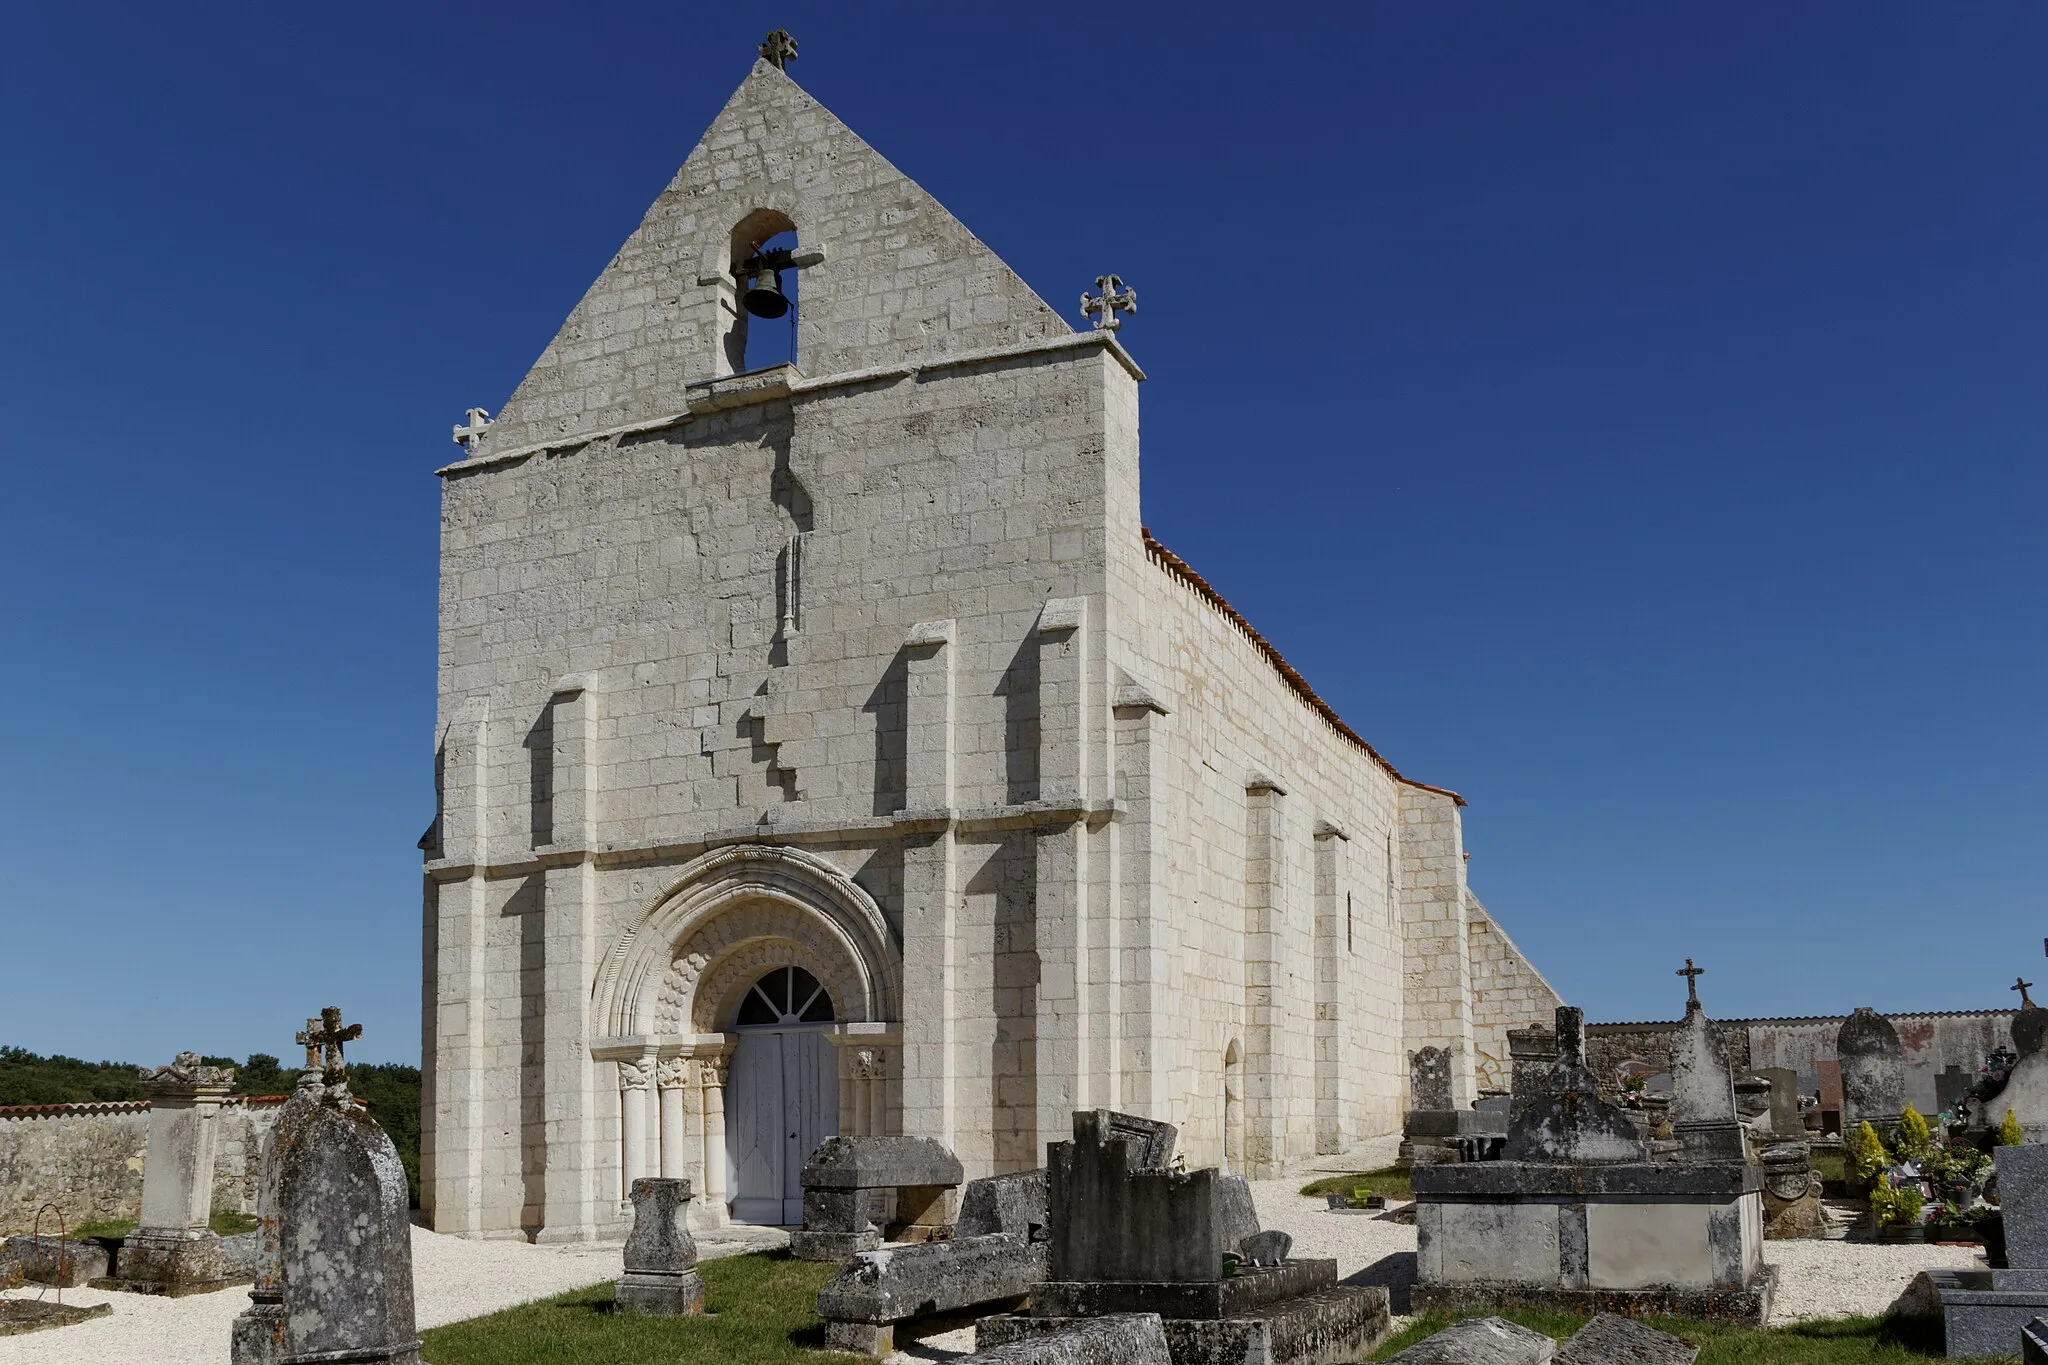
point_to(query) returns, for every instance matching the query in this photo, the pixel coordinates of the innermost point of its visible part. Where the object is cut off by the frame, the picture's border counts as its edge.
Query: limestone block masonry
(828, 749)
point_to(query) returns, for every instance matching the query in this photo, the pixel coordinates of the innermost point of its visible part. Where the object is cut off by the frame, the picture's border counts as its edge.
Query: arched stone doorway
(751, 1012)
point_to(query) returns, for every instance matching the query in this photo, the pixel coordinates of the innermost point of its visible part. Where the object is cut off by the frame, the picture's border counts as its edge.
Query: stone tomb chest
(854, 1187)
(1129, 1234)
(1579, 1218)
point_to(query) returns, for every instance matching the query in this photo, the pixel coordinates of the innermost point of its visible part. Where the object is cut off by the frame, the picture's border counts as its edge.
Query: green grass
(1840, 1341)
(1829, 1164)
(229, 1223)
(224, 1222)
(101, 1227)
(763, 1307)
(1391, 1182)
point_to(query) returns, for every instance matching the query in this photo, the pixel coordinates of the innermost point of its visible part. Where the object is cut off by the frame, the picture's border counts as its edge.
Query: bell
(764, 297)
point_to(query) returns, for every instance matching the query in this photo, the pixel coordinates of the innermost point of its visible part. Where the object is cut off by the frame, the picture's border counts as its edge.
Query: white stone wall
(1507, 993)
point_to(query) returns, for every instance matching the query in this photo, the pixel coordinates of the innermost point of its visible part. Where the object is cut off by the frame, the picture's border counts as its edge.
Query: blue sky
(1629, 416)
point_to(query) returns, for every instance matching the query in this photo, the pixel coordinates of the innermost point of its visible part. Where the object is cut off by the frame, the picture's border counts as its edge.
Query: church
(825, 746)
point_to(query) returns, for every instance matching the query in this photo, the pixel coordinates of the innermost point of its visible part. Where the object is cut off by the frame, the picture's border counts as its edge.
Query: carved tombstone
(1703, 1114)
(1564, 1120)
(174, 1251)
(1786, 1120)
(661, 1277)
(334, 1278)
(1429, 1079)
(1873, 1072)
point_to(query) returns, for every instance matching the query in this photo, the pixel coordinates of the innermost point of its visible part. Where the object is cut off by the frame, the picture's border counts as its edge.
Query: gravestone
(1480, 1341)
(334, 1280)
(1829, 1074)
(1005, 1203)
(173, 1251)
(1531, 1052)
(1986, 1312)
(1873, 1072)
(1429, 1079)
(1611, 1340)
(1952, 1085)
(661, 1277)
(1703, 1113)
(2029, 1029)
(1566, 1120)
(1786, 1120)
(1130, 1235)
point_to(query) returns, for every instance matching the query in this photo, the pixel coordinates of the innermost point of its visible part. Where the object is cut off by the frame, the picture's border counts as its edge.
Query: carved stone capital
(672, 1072)
(634, 1075)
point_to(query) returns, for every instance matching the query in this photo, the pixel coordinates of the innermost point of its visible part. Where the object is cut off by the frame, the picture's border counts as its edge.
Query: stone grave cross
(1692, 977)
(479, 422)
(327, 1040)
(2020, 984)
(1103, 308)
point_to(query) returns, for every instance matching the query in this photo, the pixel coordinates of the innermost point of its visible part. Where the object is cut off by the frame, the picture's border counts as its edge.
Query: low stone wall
(87, 1158)
(1931, 1042)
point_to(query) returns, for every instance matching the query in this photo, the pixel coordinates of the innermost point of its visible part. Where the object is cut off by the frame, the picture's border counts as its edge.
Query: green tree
(2009, 1134)
(1915, 1141)
(26, 1078)
(1867, 1156)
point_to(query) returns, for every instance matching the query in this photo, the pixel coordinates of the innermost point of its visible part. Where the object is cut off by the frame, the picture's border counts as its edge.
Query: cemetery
(916, 1076)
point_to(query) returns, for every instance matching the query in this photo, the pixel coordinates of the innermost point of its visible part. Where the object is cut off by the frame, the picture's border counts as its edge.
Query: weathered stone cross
(2020, 985)
(1103, 308)
(778, 49)
(327, 1039)
(1692, 977)
(479, 423)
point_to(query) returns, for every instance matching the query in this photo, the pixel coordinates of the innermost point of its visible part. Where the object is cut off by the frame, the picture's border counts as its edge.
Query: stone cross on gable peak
(2020, 984)
(325, 1042)
(479, 420)
(778, 49)
(1692, 977)
(1102, 308)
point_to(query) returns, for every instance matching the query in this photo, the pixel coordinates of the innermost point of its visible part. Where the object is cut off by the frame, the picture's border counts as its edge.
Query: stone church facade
(827, 747)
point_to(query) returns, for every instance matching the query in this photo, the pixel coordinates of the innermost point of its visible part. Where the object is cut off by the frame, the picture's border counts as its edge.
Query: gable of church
(901, 280)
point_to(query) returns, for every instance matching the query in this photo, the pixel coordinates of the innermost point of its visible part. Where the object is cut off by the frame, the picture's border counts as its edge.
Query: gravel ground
(453, 1278)
(457, 1279)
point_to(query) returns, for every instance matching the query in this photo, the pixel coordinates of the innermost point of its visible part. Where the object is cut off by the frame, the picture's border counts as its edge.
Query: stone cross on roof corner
(479, 422)
(778, 49)
(1102, 309)
(2020, 984)
(326, 1040)
(1692, 977)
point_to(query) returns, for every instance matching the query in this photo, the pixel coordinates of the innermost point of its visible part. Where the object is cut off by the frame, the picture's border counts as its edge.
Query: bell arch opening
(758, 296)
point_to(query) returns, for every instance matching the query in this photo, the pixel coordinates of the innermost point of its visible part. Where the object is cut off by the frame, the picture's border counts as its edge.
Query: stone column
(672, 1079)
(711, 1075)
(633, 1079)
(174, 1251)
(1140, 835)
(1265, 895)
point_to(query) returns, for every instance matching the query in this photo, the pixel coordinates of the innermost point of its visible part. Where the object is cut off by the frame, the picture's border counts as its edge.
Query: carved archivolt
(731, 916)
